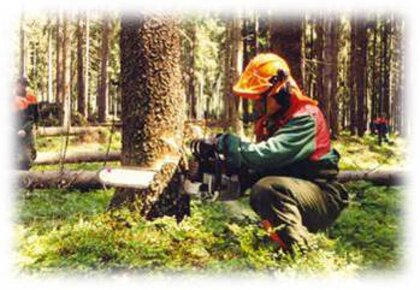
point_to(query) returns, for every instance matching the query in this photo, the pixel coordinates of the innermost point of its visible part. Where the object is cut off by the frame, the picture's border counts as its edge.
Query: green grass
(365, 153)
(71, 231)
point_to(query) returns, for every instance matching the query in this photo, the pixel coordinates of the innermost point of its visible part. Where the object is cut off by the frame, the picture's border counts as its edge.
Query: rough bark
(87, 180)
(153, 109)
(192, 98)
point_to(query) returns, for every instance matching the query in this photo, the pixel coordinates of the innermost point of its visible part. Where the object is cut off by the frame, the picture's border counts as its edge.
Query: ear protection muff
(283, 96)
(279, 77)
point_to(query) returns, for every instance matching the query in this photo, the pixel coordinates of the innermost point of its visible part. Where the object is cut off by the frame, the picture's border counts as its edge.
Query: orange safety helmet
(258, 75)
(265, 71)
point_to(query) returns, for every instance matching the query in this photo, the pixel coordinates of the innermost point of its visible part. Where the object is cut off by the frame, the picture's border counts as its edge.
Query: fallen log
(380, 177)
(57, 131)
(86, 180)
(76, 157)
(82, 180)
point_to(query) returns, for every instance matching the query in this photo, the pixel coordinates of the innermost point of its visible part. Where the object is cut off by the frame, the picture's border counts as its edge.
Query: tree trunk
(153, 110)
(352, 77)
(327, 72)
(59, 60)
(89, 180)
(191, 73)
(319, 48)
(248, 53)
(360, 75)
(375, 74)
(386, 72)
(22, 64)
(87, 67)
(81, 97)
(334, 113)
(103, 84)
(286, 41)
(234, 47)
(66, 77)
(50, 66)
(399, 76)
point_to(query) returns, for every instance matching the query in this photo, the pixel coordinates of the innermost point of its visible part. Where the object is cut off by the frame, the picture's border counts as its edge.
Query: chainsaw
(207, 178)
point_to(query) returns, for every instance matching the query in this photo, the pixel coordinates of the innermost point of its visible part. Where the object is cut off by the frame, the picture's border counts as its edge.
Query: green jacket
(300, 148)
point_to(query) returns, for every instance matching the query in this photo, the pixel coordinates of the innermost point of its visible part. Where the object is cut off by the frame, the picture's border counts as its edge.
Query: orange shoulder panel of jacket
(20, 103)
(31, 98)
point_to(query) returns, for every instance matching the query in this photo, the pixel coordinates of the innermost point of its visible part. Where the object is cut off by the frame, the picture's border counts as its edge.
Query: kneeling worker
(295, 190)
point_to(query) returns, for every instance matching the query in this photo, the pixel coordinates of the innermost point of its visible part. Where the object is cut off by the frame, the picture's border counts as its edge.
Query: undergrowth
(71, 231)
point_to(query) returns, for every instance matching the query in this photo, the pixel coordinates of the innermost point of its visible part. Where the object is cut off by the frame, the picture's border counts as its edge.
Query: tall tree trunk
(360, 75)
(153, 109)
(352, 77)
(319, 54)
(334, 90)
(192, 98)
(326, 73)
(286, 41)
(81, 97)
(375, 74)
(103, 85)
(234, 62)
(22, 64)
(386, 72)
(66, 70)
(247, 49)
(87, 68)
(50, 66)
(331, 57)
(399, 75)
(59, 60)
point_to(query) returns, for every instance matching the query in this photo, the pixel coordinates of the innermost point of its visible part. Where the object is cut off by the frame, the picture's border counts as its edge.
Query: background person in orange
(25, 107)
(294, 167)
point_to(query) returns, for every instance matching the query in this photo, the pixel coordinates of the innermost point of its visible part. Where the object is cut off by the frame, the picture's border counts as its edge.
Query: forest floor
(61, 231)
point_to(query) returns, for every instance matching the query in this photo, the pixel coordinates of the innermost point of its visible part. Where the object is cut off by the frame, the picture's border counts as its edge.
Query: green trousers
(26, 152)
(295, 206)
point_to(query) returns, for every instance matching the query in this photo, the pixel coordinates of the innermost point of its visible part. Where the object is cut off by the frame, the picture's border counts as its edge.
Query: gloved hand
(229, 145)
